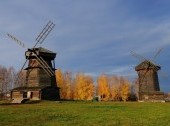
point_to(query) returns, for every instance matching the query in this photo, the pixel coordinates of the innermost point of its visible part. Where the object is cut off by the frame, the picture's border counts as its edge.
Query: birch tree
(103, 87)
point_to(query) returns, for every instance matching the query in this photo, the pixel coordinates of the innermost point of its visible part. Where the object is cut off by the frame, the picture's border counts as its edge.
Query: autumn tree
(124, 89)
(103, 87)
(67, 91)
(60, 82)
(59, 78)
(83, 87)
(114, 84)
(89, 88)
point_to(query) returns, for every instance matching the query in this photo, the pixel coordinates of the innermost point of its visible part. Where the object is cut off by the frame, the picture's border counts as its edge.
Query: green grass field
(48, 113)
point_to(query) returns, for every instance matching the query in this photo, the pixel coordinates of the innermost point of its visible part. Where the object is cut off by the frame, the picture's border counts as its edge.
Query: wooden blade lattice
(44, 33)
(16, 40)
(157, 53)
(44, 65)
(141, 58)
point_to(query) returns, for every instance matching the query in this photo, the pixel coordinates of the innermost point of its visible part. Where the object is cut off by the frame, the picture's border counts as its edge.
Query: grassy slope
(85, 113)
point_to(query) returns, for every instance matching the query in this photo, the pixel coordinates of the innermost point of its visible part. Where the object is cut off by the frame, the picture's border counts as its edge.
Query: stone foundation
(155, 96)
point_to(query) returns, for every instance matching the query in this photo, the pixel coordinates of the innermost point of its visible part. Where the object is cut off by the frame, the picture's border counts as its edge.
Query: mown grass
(48, 113)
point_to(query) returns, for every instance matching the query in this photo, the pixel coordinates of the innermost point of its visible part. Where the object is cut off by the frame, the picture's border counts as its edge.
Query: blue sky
(90, 36)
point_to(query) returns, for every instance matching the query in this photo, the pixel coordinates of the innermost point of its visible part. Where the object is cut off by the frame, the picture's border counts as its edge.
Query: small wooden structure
(40, 77)
(149, 89)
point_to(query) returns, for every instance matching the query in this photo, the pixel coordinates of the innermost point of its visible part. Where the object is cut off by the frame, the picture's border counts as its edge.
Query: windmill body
(148, 76)
(36, 75)
(149, 89)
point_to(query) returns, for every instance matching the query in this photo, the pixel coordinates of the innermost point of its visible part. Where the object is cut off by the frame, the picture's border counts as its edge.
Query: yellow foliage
(81, 87)
(103, 88)
(114, 84)
(115, 95)
(125, 90)
(84, 87)
(59, 78)
(64, 83)
(67, 91)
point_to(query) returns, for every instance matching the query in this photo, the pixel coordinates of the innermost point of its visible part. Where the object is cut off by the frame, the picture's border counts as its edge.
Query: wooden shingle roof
(44, 50)
(40, 51)
(147, 65)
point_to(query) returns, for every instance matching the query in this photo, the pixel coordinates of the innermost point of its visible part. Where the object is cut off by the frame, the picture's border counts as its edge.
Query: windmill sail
(16, 40)
(44, 33)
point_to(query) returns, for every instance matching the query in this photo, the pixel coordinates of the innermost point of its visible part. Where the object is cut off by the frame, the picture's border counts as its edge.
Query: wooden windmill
(40, 72)
(149, 89)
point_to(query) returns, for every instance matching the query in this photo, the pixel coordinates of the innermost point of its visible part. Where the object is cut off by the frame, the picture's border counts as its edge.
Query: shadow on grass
(5, 103)
(109, 107)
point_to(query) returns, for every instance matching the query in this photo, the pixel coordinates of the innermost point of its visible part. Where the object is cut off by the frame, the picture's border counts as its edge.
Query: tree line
(105, 88)
(75, 86)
